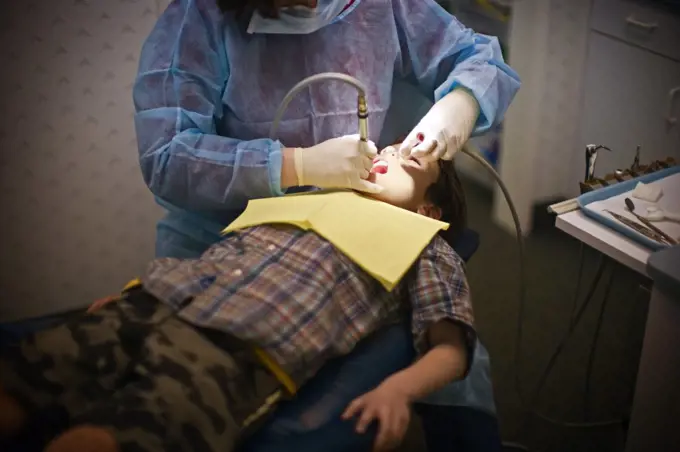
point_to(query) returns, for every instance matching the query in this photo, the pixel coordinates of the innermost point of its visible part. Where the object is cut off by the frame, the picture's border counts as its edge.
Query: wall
(563, 97)
(77, 219)
(548, 45)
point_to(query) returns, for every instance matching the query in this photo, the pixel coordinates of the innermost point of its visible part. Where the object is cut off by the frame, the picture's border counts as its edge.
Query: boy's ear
(430, 210)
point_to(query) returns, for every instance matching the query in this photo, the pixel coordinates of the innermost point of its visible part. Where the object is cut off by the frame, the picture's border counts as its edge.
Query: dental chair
(319, 428)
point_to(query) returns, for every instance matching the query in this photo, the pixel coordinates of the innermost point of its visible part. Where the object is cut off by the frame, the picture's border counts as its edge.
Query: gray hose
(522, 270)
(520, 316)
(335, 76)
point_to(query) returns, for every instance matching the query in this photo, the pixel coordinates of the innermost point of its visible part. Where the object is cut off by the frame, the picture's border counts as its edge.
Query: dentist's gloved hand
(444, 129)
(342, 162)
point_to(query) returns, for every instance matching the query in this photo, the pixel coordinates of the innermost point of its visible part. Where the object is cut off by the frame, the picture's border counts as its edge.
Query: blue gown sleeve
(439, 54)
(183, 72)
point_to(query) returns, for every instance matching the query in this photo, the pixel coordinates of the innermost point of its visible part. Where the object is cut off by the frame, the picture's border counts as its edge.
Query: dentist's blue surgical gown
(207, 92)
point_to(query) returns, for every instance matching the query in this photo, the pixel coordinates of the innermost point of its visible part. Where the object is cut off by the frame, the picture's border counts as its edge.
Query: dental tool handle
(362, 113)
(649, 224)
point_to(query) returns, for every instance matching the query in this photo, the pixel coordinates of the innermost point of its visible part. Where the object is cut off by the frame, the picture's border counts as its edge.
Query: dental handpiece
(362, 113)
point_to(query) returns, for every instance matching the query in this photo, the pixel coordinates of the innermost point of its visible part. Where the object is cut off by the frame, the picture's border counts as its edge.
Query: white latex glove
(343, 162)
(444, 129)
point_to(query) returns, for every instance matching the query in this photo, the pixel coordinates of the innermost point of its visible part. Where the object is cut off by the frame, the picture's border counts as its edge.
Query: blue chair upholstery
(467, 244)
(11, 333)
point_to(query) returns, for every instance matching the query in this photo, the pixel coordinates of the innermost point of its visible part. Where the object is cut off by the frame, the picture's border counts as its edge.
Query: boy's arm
(442, 321)
(390, 403)
(443, 331)
(444, 362)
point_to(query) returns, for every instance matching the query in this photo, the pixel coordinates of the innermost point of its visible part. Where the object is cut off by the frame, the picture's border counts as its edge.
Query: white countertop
(605, 240)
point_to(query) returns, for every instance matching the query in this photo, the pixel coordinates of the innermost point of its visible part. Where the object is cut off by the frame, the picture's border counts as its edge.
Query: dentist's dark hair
(267, 8)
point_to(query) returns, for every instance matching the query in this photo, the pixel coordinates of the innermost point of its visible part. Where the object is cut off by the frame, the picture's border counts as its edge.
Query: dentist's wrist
(289, 177)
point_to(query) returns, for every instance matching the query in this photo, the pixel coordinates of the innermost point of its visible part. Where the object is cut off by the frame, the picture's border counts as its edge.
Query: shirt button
(237, 272)
(271, 247)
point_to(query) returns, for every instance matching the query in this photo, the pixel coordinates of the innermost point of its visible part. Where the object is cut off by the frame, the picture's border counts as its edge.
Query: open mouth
(380, 163)
(379, 166)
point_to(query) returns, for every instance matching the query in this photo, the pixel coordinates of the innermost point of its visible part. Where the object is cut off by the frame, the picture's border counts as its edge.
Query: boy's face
(406, 181)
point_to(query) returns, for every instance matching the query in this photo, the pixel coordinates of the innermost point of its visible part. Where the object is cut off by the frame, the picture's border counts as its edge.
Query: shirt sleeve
(178, 91)
(438, 290)
(176, 281)
(439, 54)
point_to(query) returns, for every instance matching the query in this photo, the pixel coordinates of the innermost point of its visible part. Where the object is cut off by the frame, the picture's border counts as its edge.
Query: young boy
(193, 357)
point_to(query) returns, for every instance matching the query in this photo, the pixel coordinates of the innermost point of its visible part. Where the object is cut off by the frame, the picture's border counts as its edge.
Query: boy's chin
(390, 197)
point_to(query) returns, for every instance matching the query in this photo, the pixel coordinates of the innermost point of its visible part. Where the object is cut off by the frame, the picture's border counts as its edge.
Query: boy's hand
(388, 405)
(98, 304)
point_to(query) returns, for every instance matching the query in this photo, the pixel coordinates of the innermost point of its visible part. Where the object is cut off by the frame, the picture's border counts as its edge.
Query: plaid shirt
(292, 293)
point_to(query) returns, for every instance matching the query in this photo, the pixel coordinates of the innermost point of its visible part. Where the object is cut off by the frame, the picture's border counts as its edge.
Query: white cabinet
(640, 24)
(626, 103)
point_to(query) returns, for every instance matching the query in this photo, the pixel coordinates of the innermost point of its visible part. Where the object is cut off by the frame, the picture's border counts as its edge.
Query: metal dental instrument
(362, 108)
(591, 158)
(631, 206)
(635, 167)
(623, 175)
(638, 227)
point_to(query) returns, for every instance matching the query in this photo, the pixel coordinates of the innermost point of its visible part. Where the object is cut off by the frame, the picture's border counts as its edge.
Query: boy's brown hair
(447, 193)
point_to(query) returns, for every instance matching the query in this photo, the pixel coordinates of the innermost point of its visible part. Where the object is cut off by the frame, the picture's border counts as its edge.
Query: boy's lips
(381, 162)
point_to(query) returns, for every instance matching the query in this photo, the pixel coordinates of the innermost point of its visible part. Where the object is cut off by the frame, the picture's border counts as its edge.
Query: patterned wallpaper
(77, 219)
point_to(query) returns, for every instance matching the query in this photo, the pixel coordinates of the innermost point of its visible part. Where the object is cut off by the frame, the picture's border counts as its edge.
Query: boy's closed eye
(430, 188)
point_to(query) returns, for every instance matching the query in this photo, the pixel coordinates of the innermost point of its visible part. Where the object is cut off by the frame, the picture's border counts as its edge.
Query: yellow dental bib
(382, 239)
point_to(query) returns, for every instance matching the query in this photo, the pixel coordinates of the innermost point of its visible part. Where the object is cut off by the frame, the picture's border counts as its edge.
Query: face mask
(300, 19)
